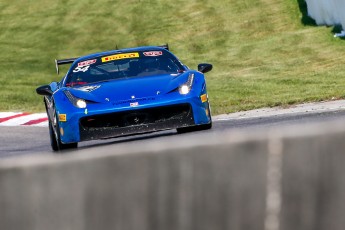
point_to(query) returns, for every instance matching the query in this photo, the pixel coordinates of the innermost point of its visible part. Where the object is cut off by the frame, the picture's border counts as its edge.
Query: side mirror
(204, 67)
(44, 90)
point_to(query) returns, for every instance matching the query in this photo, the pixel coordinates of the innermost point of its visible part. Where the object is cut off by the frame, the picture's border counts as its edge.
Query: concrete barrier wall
(313, 185)
(290, 178)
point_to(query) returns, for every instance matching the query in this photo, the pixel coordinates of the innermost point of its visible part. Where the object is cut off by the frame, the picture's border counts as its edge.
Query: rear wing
(166, 46)
(63, 62)
(71, 60)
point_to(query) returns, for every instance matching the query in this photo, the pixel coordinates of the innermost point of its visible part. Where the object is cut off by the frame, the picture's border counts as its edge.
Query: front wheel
(55, 140)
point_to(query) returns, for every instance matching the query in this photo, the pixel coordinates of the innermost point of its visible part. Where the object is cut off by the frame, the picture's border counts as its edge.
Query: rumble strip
(23, 119)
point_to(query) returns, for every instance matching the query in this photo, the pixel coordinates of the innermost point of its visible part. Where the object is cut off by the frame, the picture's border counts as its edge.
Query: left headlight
(187, 86)
(77, 102)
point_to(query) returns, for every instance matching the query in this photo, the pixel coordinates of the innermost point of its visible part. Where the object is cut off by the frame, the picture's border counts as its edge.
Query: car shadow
(126, 139)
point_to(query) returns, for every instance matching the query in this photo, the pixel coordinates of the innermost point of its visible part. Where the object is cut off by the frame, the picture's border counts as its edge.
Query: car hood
(125, 89)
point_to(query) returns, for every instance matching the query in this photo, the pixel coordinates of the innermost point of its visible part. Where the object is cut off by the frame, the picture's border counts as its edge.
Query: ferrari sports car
(125, 92)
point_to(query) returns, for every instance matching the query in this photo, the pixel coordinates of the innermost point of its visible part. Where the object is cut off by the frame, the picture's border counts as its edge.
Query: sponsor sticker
(120, 56)
(133, 104)
(88, 88)
(62, 117)
(153, 53)
(85, 63)
(203, 98)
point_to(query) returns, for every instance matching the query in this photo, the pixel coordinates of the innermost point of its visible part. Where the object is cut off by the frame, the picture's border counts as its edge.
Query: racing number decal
(81, 69)
(84, 66)
(119, 56)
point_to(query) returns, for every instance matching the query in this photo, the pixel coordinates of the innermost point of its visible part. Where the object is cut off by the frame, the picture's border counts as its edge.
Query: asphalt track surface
(24, 140)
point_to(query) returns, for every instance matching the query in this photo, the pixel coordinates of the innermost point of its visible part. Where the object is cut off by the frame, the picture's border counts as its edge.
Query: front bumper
(113, 120)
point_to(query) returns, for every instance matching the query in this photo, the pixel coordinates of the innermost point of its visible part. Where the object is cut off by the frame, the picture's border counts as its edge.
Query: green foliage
(264, 52)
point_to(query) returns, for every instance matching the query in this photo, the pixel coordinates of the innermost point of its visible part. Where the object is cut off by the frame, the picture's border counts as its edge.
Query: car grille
(135, 121)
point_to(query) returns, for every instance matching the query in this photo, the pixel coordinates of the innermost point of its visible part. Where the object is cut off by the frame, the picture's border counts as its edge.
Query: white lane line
(274, 183)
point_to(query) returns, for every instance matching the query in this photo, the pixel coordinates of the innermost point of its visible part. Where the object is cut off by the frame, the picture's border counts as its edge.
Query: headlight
(186, 87)
(81, 103)
(77, 102)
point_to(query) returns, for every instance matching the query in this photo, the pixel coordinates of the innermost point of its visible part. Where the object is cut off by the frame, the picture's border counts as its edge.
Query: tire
(55, 140)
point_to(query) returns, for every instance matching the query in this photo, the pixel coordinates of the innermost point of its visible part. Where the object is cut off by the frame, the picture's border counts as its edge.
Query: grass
(264, 52)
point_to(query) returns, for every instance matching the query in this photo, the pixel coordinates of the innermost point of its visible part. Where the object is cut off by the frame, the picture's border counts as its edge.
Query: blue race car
(125, 92)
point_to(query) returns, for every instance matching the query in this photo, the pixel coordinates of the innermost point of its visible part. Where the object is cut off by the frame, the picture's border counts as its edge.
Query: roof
(106, 53)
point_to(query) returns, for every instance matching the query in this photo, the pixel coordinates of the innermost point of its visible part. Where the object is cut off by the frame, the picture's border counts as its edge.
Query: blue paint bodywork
(127, 95)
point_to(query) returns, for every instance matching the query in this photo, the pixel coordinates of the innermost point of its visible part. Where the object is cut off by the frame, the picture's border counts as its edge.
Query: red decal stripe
(37, 121)
(14, 116)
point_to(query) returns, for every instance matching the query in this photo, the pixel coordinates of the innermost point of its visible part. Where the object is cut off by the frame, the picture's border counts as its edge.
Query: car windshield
(123, 65)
